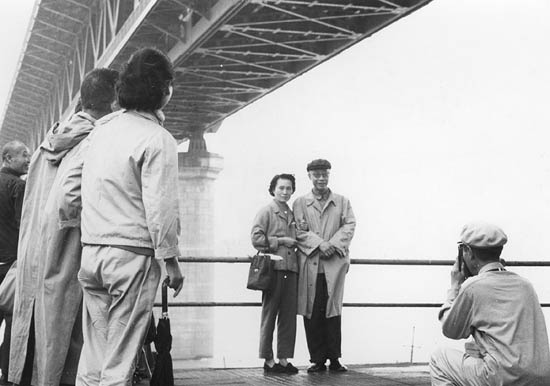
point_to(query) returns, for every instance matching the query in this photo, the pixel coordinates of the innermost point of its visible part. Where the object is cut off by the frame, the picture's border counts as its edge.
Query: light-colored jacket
(502, 312)
(129, 184)
(334, 223)
(273, 223)
(48, 262)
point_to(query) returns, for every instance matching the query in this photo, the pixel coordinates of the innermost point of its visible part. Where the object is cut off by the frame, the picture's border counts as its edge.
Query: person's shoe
(4, 381)
(272, 370)
(316, 368)
(336, 367)
(289, 368)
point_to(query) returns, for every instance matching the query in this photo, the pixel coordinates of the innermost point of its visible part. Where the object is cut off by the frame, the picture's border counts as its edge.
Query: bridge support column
(198, 169)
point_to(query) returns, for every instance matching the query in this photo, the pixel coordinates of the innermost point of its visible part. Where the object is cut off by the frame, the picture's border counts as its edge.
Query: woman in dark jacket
(274, 232)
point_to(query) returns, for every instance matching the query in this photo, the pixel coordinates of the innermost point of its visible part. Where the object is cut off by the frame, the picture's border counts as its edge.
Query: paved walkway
(357, 375)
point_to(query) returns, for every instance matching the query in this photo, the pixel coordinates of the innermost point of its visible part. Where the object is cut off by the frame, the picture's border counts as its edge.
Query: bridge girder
(227, 53)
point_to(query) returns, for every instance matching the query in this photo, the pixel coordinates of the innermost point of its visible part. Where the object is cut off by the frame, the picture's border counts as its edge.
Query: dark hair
(278, 177)
(487, 254)
(97, 91)
(144, 80)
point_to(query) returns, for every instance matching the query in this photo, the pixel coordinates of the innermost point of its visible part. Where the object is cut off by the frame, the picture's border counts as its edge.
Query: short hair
(145, 80)
(10, 147)
(278, 177)
(487, 254)
(97, 91)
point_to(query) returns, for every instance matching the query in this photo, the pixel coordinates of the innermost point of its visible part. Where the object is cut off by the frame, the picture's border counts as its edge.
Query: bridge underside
(227, 54)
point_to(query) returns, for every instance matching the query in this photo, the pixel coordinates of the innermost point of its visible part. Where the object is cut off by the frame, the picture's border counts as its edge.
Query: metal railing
(402, 262)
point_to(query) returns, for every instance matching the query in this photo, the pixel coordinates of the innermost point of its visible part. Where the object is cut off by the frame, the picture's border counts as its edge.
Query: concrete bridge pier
(192, 328)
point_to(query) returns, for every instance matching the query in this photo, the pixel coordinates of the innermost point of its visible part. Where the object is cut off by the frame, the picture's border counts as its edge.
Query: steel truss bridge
(227, 53)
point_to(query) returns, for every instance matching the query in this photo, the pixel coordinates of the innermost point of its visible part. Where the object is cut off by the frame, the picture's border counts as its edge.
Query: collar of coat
(311, 199)
(278, 209)
(10, 171)
(62, 137)
(156, 116)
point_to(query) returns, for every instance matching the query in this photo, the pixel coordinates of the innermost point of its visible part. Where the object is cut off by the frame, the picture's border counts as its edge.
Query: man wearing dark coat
(15, 163)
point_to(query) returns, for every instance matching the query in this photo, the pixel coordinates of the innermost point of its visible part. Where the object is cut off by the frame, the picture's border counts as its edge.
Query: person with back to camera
(274, 231)
(130, 221)
(500, 310)
(47, 333)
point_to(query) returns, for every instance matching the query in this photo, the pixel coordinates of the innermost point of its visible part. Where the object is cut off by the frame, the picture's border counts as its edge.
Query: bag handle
(164, 292)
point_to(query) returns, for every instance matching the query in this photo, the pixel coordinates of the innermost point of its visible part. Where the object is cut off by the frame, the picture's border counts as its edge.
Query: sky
(439, 119)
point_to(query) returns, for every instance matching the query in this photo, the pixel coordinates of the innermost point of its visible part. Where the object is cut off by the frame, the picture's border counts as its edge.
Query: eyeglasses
(319, 174)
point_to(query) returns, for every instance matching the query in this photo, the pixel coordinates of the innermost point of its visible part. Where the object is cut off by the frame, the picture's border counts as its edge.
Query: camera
(462, 267)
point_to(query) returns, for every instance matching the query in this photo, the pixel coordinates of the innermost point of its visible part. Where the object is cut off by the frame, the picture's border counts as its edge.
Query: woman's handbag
(260, 273)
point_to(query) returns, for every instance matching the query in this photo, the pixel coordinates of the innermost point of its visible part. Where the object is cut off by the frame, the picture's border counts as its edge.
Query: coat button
(288, 253)
(314, 263)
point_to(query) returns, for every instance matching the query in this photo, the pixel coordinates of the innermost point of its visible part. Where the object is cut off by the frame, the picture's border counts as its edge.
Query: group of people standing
(313, 241)
(84, 237)
(98, 215)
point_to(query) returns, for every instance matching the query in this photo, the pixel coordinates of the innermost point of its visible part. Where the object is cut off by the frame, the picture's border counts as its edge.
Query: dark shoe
(336, 367)
(316, 368)
(289, 368)
(4, 381)
(272, 370)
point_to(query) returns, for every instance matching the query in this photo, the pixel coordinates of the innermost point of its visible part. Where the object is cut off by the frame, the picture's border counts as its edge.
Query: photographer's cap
(483, 235)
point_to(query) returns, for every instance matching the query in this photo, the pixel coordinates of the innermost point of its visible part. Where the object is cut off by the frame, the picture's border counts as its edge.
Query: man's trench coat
(335, 223)
(48, 262)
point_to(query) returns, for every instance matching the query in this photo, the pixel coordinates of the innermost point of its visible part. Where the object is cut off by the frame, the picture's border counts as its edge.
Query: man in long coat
(325, 227)
(47, 332)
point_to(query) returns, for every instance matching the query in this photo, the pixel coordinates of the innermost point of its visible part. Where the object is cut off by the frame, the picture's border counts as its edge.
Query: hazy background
(439, 119)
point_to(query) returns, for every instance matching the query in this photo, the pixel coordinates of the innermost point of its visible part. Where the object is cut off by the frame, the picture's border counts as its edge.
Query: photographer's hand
(457, 277)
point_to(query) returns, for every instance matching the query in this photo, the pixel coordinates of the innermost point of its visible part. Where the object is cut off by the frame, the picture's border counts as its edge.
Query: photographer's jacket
(501, 310)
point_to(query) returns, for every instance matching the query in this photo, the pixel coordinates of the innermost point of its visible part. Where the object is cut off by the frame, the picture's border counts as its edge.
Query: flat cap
(483, 235)
(318, 164)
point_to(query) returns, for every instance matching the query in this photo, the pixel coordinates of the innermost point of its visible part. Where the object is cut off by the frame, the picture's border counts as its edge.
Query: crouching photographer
(499, 310)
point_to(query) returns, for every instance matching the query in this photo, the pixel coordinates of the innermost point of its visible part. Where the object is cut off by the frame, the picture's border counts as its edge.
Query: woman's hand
(287, 241)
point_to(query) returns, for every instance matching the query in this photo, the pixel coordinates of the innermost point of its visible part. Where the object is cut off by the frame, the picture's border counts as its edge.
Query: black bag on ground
(260, 273)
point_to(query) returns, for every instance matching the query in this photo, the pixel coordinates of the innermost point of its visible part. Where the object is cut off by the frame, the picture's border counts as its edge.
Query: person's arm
(342, 238)
(456, 314)
(159, 178)
(70, 200)
(18, 195)
(308, 241)
(259, 230)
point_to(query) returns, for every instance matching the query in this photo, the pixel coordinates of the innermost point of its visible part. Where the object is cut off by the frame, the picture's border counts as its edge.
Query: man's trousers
(279, 303)
(119, 289)
(451, 367)
(323, 335)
